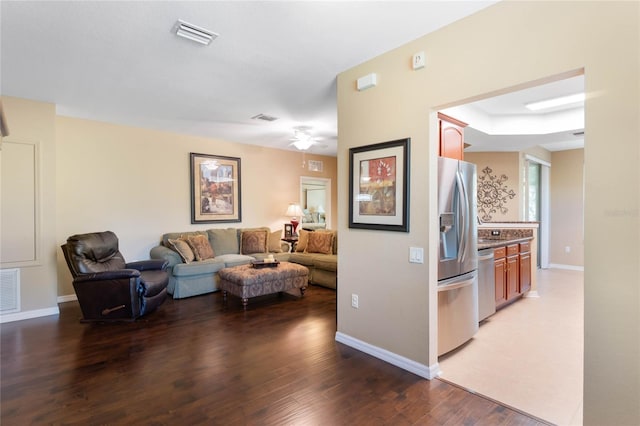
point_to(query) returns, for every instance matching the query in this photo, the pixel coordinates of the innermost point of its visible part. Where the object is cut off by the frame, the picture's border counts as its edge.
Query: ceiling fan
(303, 140)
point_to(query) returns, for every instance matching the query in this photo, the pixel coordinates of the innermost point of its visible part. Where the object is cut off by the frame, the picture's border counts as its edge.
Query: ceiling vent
(264, 117)
(194, 33)
(578, 134)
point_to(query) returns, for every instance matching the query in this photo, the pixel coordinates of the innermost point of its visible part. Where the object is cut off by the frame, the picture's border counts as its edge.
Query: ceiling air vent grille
(264, 117)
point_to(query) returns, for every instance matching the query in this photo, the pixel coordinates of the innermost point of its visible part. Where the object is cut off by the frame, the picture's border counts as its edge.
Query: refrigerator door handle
(455, 285)
(463, 230)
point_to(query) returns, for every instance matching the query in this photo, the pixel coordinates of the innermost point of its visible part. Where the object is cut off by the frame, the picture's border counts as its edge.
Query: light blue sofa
(200, 277)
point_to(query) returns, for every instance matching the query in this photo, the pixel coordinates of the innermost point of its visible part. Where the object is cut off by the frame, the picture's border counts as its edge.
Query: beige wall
(135, 182)
(498, 206)
(34, 123)
(567, 217)
(508, 45)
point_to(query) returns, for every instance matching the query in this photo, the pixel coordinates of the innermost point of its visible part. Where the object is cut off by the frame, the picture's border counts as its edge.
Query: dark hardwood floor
(196, 362)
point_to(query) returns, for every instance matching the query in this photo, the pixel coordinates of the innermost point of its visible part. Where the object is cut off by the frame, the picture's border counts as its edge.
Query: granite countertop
(485, 243)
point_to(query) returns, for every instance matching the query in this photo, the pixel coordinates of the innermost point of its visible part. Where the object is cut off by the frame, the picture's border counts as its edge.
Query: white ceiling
(503, 123)
(119, 62)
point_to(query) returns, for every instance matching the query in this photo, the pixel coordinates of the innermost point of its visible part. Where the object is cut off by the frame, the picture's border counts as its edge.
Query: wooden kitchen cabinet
(512, 266)
(451, 137)
(500, 267)
(513, 272)
(525, 267)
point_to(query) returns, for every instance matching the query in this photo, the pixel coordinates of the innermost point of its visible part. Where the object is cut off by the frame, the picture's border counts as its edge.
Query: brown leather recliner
(108, 288)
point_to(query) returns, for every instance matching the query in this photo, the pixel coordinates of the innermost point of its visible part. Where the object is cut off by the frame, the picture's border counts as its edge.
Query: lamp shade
(294, 210)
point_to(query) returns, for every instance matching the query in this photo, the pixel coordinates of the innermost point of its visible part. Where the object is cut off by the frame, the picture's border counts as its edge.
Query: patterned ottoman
(246, 281)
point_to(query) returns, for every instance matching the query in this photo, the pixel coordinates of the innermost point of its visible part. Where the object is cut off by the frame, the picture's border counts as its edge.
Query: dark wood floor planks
(196, 361)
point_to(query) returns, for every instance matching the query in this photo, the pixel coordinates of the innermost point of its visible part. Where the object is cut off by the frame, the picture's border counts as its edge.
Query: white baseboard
(67, 298)
(19, 316)
(428, 372)
(532, 293)
(567, 267)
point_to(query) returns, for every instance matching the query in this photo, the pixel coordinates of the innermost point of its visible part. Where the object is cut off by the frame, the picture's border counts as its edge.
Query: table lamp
(294, 211)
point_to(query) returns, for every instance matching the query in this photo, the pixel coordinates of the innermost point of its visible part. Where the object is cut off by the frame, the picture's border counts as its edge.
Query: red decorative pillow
(200, 246)
(253, 241)
(320, 242)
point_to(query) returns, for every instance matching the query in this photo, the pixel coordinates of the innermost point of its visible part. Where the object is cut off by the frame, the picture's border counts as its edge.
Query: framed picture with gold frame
(215, 188)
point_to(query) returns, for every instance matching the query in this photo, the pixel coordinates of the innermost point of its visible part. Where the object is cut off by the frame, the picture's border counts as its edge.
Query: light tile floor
(529, 355)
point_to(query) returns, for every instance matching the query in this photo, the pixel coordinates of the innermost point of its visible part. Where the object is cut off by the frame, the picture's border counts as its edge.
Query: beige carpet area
(529, 355)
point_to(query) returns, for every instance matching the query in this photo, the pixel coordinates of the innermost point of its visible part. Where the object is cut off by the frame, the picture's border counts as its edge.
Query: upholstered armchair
(108, 288)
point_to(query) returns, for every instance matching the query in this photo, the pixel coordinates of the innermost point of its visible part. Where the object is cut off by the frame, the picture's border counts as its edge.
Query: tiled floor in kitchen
(529, 355)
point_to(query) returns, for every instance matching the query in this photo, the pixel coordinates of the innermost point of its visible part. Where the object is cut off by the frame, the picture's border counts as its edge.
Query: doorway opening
(315, 201)
(478, 364)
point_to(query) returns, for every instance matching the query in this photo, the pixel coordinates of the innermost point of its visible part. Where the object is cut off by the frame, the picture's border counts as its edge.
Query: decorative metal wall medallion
(493, 194)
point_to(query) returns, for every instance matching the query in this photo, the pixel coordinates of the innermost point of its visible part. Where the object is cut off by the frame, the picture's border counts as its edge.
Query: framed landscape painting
(379, 186)
(215, 188)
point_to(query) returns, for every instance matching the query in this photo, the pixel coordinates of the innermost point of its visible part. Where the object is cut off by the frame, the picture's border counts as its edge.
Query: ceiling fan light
(303, 144)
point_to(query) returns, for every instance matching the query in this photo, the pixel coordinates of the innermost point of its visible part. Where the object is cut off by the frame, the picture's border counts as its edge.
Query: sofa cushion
(254, 241)
(208, 266)
(275, 244)
(200, 246)
(303, 240)
(183, 248)
(320, 242)
(224, 241)
(235, 259)
(301, 258)
(327, 263)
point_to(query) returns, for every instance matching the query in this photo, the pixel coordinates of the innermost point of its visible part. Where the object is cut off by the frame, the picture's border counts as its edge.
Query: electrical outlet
(567, 249)
(354, 301)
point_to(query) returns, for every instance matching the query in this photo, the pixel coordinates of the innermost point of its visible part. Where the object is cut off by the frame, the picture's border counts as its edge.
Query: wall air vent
(9, 291)
(194, 33)
(264, 117)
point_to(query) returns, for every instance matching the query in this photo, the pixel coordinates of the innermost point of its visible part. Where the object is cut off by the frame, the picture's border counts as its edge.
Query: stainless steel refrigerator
(458, 264)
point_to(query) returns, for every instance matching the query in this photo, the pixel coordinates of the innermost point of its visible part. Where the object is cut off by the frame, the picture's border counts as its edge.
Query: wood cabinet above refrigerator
(451, 137)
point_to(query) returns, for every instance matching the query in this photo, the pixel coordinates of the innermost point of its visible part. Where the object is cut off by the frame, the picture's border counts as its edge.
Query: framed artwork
(288, 230)
(215, 188)
(379, 186)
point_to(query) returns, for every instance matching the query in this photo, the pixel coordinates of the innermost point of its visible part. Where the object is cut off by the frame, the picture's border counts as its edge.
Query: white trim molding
(428, 372)
(566, 267)
(29, 314)
(67, 298)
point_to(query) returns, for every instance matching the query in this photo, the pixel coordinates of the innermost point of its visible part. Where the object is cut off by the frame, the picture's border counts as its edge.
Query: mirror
(315, 200)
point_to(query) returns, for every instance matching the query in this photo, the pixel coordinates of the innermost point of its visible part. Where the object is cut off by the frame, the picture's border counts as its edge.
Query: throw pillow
(200, 246)
(183, 249)
(253, 242)
(224, 241)
(303, 239)
(274, 242)
(320, 242)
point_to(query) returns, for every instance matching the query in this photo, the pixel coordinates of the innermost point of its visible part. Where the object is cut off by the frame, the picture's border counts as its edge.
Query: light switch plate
(416, 255)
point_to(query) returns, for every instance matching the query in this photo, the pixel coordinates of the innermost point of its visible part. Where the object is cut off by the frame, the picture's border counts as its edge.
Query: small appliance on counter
(458, 264)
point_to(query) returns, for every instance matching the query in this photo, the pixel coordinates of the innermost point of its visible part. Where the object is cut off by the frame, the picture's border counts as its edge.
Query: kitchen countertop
(485, 243)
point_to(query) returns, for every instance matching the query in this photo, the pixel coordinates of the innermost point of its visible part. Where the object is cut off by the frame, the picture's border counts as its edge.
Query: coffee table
(247, 281)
